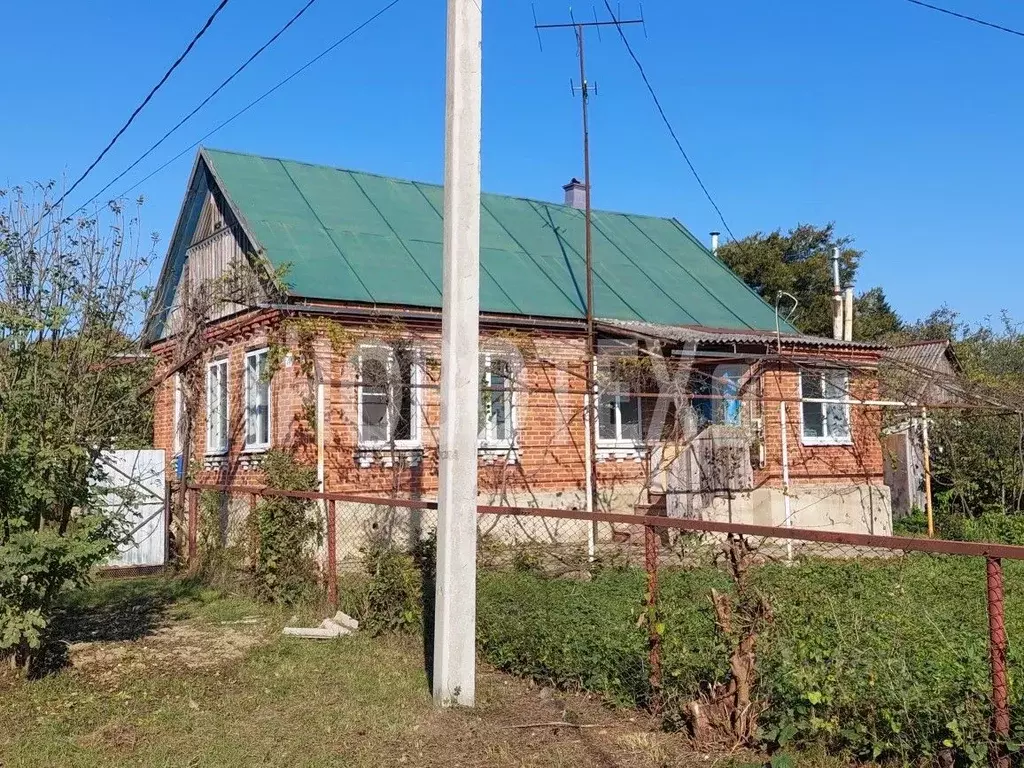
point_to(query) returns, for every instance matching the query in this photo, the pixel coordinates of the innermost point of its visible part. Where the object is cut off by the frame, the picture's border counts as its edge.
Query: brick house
(331, 354)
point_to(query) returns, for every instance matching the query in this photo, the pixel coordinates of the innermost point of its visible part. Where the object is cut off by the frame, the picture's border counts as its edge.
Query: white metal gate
(136, 483)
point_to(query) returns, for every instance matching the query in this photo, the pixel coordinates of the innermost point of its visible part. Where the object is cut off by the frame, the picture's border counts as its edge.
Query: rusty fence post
(332, 554)
(653, 623)
(997, 653)
(193, 524)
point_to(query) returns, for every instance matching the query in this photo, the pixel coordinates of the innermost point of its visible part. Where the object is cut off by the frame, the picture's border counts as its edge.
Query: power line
(267, 93)
(145, 101)
(972, 19)
(668, 124)
(205, 101)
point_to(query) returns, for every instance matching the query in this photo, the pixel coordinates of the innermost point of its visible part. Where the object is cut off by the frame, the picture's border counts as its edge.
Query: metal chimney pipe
(848, 316)
(714, 242)
(838, 303)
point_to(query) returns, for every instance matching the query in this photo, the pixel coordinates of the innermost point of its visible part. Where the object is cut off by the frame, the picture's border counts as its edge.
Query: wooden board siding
(217, 250)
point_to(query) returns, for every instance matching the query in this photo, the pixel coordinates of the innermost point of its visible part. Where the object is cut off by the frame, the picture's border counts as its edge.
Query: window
(217, 407)
(822, 421)
(497, 414)
(388, 397)
(716, 395)
(257, 401)
(179, 406)
(618, 411)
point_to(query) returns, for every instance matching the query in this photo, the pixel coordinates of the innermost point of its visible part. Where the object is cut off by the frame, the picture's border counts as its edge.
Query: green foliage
(799, 262)
(883, 660)
(70, 374)
(914, 524)
(284, 532)
(35, 567)
(977, 456)
(393, 598)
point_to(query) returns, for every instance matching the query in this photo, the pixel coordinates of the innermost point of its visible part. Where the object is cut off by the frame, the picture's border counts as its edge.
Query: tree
(70, 303)
(800, 263)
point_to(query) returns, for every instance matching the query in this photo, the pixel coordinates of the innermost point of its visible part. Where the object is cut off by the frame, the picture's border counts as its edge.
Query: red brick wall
(549, 417)
(859, 462)
(549, 421)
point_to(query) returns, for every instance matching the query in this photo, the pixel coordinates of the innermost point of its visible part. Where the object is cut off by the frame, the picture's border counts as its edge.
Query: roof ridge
(441, 186)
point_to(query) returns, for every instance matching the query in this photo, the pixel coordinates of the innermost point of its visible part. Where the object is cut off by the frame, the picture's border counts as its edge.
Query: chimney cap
(574, 182)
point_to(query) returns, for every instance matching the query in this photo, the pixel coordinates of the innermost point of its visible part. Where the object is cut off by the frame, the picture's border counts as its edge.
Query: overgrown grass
(883, 658)
(167, 681)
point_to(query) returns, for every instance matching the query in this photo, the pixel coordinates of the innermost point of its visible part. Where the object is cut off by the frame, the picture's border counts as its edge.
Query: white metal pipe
(588, 449)
(787, 505)
(848, 315)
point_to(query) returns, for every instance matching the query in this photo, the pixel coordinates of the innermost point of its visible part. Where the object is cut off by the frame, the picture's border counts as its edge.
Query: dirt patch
(115, 737)
(171, 648)
(516, 723)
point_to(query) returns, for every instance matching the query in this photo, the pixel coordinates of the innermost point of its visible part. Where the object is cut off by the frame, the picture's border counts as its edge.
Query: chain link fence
(878, 647)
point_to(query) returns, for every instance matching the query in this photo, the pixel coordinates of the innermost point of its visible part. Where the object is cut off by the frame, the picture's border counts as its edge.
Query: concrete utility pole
(455, 596)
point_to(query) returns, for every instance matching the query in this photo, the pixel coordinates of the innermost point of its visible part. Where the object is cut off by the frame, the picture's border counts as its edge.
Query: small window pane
(374, 396)
(837, 418)
(257, 393)
(810, 385)
(729, 408)
(813, 413)
(629, 411)
(814, 422)
(607, 408)
(403, 396)
(702, 404)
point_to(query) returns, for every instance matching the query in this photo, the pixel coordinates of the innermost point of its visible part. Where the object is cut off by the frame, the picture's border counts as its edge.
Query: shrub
(35, 567)
(398, 586)
(880, 659)
(284, 533)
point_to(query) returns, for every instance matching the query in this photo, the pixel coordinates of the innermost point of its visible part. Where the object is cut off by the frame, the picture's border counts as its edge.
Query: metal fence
(920, 593)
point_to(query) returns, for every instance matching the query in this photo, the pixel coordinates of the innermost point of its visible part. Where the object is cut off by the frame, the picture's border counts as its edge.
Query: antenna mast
(580, 28)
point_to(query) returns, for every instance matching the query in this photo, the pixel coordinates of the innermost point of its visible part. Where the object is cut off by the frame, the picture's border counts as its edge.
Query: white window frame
(600, 400)
(488, 440)
(390, 359)
(256, 446)
(824, 403)
(179, 405)
(217, 440)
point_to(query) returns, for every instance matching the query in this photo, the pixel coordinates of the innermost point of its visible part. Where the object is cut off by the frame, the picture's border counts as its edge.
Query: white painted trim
(390, 362)
(221, 363)
(176, 436)
(488, 445)
(257, 447)
(826, 440)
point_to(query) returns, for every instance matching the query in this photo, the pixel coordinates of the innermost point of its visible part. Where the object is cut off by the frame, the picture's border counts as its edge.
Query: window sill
(386, 455)
(826, 441)
(491, 453)
(620, 451)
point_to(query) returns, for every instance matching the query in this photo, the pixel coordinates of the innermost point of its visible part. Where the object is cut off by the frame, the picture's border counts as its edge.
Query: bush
(879, 659)
(35, 568)
(393, 597)
(284, 533)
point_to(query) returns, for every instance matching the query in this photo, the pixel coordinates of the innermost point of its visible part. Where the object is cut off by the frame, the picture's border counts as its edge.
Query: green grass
(278, 702)
(170, 673)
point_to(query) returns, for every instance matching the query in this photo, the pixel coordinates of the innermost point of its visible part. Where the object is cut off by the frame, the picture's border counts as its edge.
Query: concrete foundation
(864, 508)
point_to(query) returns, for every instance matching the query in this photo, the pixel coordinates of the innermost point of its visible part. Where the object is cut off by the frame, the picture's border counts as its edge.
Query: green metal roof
(359, 237)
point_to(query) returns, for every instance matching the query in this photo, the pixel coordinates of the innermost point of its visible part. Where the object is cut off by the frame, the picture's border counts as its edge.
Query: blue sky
(900, 124)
